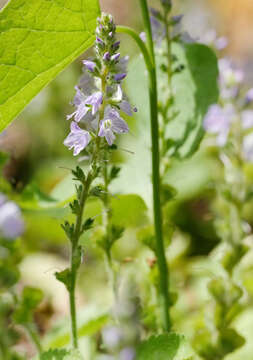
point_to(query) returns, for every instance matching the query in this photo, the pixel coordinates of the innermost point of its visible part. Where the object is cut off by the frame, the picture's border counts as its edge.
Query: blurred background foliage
(37, 173)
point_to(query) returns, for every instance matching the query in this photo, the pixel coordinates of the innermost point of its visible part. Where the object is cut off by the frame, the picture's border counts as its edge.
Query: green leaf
(162, 347)
(128, 210)
(64, 277)
(195, 88)
(88, 224)
(38, 39)
(229, 341)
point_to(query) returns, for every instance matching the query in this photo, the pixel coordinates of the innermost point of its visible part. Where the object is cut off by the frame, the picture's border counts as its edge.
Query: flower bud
(167, 4)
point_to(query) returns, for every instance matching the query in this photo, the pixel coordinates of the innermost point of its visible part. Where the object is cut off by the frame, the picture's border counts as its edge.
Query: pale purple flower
(247, 119)
(87, 83)
(249, 96)
(11, 221)
(112, 336)
(90, 65)
(230, 78)
(94, 100)
(209, 37)
(221, 43)
(119, 98)
(218, 121)
(77, 139)
(112, 123)
(229, 74)
(143, 36)
(126, 107)
(248, 147)
(127, 354)
(83, 104)
(3, 199)
(230, 92)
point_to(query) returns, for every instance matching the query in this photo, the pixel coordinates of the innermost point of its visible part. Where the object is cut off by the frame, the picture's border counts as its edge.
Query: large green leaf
(38, 39)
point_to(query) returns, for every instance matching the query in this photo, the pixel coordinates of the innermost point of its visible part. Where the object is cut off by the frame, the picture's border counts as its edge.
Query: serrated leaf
(162, 347)
(38, 39)
(64, 277)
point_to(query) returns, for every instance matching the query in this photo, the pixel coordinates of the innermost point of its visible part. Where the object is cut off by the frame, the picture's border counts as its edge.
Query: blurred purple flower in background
(127, 354)
(112, 337)
(218, 121)
(249, 96)
(11, 221)
(210, 38)
(248, 147)
(247, 119)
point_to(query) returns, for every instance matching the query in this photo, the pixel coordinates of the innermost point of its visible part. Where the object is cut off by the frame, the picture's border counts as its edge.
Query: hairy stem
(74, 249)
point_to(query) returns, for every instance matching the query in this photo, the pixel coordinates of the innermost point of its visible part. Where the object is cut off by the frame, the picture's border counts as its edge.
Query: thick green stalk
(149, 58)
(160, 250)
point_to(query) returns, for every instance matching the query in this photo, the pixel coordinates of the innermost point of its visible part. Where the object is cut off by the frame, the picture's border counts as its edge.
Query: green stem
(160, 250)
(142, 46)
(149, 58)
(34, 337)
(168, 45)
(84, 195)
(112, 274)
